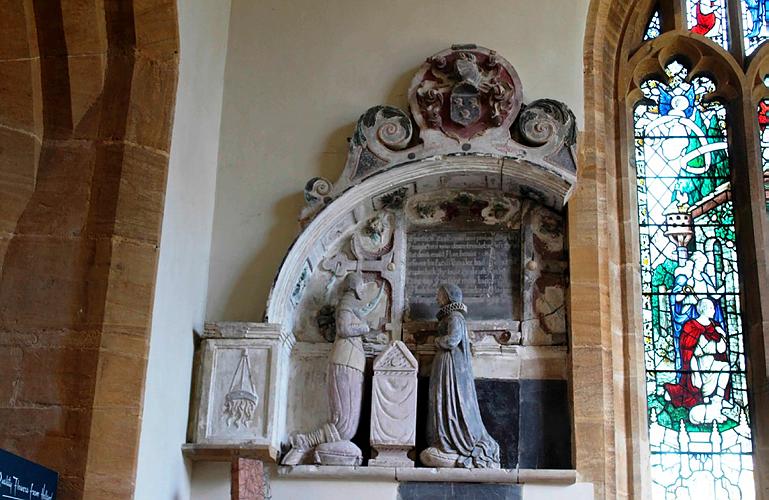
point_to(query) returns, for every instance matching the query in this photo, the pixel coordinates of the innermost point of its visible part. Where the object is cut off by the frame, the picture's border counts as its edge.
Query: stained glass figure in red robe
(704, 385)
(706, 17)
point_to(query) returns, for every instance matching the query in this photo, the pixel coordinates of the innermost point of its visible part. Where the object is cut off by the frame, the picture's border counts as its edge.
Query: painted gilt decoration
(699, 422)
(466, 100)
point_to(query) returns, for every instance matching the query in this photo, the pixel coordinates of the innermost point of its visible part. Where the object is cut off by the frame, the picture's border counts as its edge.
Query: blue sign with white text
(21, 479)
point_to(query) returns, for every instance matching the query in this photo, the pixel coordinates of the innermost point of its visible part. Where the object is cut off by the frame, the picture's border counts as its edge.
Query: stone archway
(85, 124)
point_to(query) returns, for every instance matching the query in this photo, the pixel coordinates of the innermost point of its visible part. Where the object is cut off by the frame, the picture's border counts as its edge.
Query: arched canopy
(473, 133)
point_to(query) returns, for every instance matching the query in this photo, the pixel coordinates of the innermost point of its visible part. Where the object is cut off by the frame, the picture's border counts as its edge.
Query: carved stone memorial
(331, 443)
(455, 432)
(394, 407)
(465, 187)
(244, 370)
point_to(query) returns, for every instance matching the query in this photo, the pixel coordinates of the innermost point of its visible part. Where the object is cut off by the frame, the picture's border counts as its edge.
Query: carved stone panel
(242, 384)
(484, 264)
(394, 407)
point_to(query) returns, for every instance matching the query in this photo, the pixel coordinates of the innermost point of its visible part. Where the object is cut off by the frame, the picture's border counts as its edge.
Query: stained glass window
(708, 18)
(755, 23)
(696, 384)
(763, 130)
(654, 27)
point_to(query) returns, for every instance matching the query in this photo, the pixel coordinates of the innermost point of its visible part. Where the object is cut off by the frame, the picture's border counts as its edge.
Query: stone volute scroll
(394, 407)
(466, 186)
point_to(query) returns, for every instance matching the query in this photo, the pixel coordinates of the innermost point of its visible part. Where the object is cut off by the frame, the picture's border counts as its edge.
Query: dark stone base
(462, 491)
(530, 419)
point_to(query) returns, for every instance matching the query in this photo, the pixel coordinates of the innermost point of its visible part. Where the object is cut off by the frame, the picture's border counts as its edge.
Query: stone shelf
(226, 452)
(509, 476)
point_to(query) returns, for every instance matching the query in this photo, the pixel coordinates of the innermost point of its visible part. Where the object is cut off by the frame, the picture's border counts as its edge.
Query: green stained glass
(699, 422)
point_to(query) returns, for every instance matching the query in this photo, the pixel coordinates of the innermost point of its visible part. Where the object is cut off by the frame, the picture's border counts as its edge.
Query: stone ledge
(226, 452)
(426, 474)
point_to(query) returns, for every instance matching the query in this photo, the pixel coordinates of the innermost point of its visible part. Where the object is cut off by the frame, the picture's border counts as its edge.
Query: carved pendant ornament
(240, 403)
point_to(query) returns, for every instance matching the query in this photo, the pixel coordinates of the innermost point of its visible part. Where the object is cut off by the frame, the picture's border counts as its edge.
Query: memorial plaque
(484, 264)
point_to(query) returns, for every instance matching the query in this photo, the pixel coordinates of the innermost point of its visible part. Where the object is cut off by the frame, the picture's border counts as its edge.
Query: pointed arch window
(695, 146)
(699, 429)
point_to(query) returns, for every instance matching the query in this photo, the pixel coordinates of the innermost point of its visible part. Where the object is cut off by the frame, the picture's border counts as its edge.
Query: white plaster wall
(300, 72)
(182, 279)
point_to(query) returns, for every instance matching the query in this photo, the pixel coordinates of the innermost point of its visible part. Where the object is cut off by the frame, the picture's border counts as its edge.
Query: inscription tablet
(485, 265)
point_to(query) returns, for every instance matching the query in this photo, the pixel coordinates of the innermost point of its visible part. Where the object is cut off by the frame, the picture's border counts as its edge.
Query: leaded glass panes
(763, 130)
(708, 18)
(755, 23)
(699, 424)
(654, 27)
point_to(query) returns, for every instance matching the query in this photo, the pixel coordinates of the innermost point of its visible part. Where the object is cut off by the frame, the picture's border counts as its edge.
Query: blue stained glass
(699, 421)
(654, 27)
(755, 23)
(708, 18)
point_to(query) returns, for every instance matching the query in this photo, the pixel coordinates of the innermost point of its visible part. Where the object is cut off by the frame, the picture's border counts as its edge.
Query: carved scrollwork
(387, 125)
(393, 134)
(317, 189)
(317, 194)
(542, 120)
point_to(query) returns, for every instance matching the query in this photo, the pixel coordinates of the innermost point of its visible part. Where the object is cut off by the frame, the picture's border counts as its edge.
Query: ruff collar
(449, 308)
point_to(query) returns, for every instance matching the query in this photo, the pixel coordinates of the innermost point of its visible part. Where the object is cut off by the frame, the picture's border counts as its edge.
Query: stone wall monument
(466, 186)
(394, 407)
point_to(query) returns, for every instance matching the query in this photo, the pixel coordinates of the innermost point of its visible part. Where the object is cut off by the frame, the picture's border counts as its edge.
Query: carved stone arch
(85, 133)
(700, 55)
(521, 150)
(757, 70)
(637, 22)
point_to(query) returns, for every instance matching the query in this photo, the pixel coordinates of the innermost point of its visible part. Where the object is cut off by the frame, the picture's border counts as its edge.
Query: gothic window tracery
(685, 117)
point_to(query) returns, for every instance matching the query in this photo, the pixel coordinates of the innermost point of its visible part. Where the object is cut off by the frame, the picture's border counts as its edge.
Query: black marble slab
(545, 425)
(452, 491)
(530, 419)
(498, 401)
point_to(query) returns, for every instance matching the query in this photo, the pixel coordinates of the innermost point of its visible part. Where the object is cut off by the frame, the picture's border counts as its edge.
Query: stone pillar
(394, 407)
(247, 480)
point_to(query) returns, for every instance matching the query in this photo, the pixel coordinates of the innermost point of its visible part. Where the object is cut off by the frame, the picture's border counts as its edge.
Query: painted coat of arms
(466, 91)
